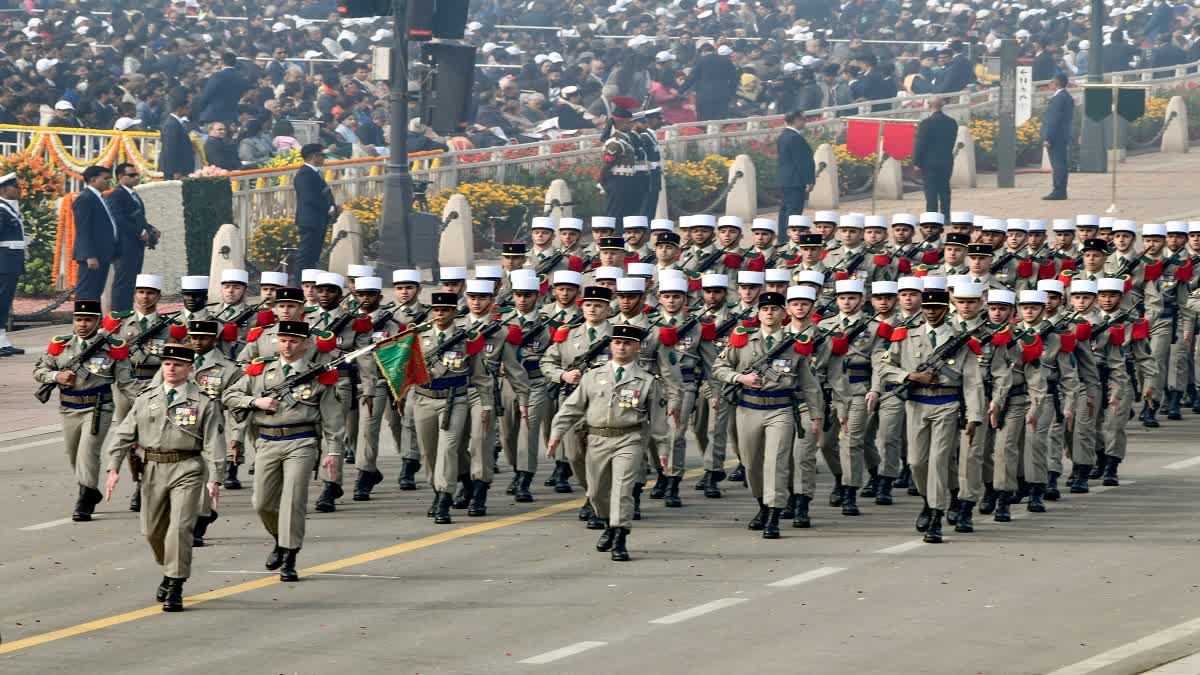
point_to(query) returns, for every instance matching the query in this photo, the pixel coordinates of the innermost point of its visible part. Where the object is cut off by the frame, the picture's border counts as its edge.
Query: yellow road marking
(360, 559)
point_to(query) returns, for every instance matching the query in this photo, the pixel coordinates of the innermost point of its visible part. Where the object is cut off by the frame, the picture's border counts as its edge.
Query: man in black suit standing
(1056, 134)
(222, 91)
(176, 157)
(933, 154)
(12, 255)
(133, 233)
(797, 172)
(95, 232)
(715, 79)
(314, 208)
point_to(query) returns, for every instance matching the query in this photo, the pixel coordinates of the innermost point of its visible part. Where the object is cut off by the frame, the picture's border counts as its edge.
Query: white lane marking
(49, 524)
(569, 650)
(806, 577)
(902, 548)
(318, 574)
(33, 444)
(1182, 464)
(1188, 665)
(698, 610)
(30, 432)
(1117, 654)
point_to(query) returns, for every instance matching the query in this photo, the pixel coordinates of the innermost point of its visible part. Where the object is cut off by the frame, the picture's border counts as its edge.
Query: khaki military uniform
(849, 377)
(977, 456)
(225, 314)
(619, 418)
(213, 373)
(93, 388)
(384, 324)
(660, 361)
(355, 380)
(855, 263)
(890, 436)
(558, 359)
(691, 355)
(144, 362)
(765, 424)
(503, 365)
(713, 413)
(1019, 273)
(1174, 375)
(933, 411)
(1081, 440)
(522, 439)
(805, 442)
(289, 442)
(1115, 381)
(181, 438)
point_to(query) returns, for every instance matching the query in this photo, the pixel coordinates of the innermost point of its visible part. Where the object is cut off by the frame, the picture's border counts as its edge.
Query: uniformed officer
(929, 249)
(292, 428)
(979, 267)
(269, 282)
(1085, 436)
(374, 396)
(800, 301)
(852, 260)
(825, 223)
(618, 173)
(797, 225)
(763, 232)
(621, 406)
(678, 332)
(543, 250)
(180, 432)
(513, 255)
(714, 413)
(636, 230)
(651, 121)
(213, 373)
(194, 289)
(308, 284)
(12, 254)
(1179, 269)
(521, 436)
(570, 233)
(666, 252)
(766, 380)
(889, 431)
(440, 411)
(932, 407)
(902, 246)
(454, 280)
(85, 392)
(232, 306)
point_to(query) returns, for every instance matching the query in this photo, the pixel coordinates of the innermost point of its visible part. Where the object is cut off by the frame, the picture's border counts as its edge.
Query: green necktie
(845, 322)
(144, 322)
(441, 338)
(324, 317)
(620, 372)
(199, 361)
(522, 322)
(672, 321)
(933, 338)
(562, 313)
(591, 334)
(286, 368)
(978, 280)
(170, 396)
(770, 341)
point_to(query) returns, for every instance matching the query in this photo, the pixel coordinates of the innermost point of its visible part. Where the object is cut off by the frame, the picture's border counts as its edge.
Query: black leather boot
(738, 475)
(553, 478)
(523, 495)
(605, 543)
(595, 522)
(1149, 420)
(789, 511)
(83, 509)
(835, 493)
(1110, 472)
(801, 519)
(442, 515)
(287, 571)
(135, 501)
(849, 500)
(201, 528)
(661, 484)
(408, 474)
(1098, 468)
(1080, 485)
(1036, 492)
(512, 484)
(883, 496)
(872, 487)
(759, 521)
(160, 593)
(462, 498)
(231, 477)
(174, 599)
(478, 506)
(904, 479)
(365, 482)
(771, 529)
(637, 500)
(1172, 405)
(348, 456)
(585, 511)
(955, 505)
(325, 502)
(433, 505)
(1002, 514)
(562, 484)
(619, 552)
(934, 534)
(672, 499)
(1021, 493)
(703, 482)
(712, 489)
(275, 557)
(988, 504)
(966, 522)
(1052, 493)
(924, 517)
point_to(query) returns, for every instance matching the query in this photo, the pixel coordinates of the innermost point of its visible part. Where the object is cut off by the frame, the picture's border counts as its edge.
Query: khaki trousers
(613, 466)
(889, 437)
(282, 471)
(346, 393)
(853, 443)
(975, 462)
(804, 457)
(1160, 348)
(932, 438)
(765, 439)
(440, 448)
(522, 439)
(1082, 437)
(1112, 427)
(1010, 445)
(83, 448)
(1036, 462)
(370, 428)
(677, 459)
(170, 498)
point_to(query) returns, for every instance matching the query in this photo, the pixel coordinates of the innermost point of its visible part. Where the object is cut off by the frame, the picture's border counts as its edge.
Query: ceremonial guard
(620, 406)
(293, 424)
(83, 367)
(1179, 269)
(542, 255)
(1083, 439)
(619, 180)
(233, 313)
(638, 247)
(713, 413)
(650, 121)
(800, 301)
(12, 255)
(180, 432)
(684, 335)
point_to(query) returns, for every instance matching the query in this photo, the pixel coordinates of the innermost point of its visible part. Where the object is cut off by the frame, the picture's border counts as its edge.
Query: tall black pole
(398, 185)
(1092, 156)
(1006, 138)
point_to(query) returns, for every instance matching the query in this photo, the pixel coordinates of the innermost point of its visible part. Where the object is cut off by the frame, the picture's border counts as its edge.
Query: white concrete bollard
(964, 175)
(1175, 137)
(825, 193)
(163, 201)
(742, 200)
(349, 250)
(889, 184)
(560, 192)
(228, 253)
(457, 246)
(662, 210)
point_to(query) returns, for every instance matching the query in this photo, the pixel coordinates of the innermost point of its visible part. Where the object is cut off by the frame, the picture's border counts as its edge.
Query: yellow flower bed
(270, 239)
(369, 211)
(489, 200)
(691, 185)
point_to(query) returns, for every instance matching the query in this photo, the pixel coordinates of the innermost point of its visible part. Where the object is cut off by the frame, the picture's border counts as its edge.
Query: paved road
(1104, 581)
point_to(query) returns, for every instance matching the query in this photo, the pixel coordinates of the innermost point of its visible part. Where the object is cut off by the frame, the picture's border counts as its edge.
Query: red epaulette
(575, 264)
(1024, 268)
(885, 330)
(931, 257)
(1151, 271)
(904, 265)
(229, 332)
(361, 324)
(58, 344)
(708, 330)
(732, 260)
(1140, 329)
(1032, 350)
(178, 331)
(328, 378)
(668, 336)
(514, 335)
(561, 334)
(881, 259)
(264, 318)
(899, 334)
(254, 334)
(475, 344)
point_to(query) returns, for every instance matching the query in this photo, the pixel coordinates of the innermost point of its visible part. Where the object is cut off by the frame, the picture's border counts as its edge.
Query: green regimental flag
(1131, 102)
(402, 364)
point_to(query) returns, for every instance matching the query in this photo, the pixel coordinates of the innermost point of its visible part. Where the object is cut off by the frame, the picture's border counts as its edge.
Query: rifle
(238, 321)
(732, 322)
(1002, 261)
(858, 258)
(544, 267)
(581, 362)
(1130, 369)
(44, 391)
(947, 350)
(544, 322)
(710, 261)
(730, 391)
(136, 344)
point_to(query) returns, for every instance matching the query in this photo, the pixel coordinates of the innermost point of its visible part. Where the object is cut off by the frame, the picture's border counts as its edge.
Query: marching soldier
(611, 253)
(637, 238)
(852, 260)
(621, 406)
(666, 253)
(1053, 435)
(766, 380)
(1082, 440)
(825, 223)
(713, 413)
(308, 284)
(1162, 312)
(932, 408)
(521, 436)
(233, 304)
(180, 432)
(979, 267)
(889, 424)
(264, 340)
(1179, 269)
(292, 428)
(763, 231)
(800, 301)
(684, 337)
(513, 255)
(374, 397)
(213, 373)
(929, 249)
(268, 283)
(194, 290)
(85, 392)
(408, 310)
(541, 234)
(954, 257)
(976, 458)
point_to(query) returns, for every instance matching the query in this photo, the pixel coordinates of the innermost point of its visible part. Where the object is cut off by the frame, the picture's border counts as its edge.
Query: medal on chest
(303, 392)
(628, 398)
(97, 364)
(211, 384)
(782, 365)
(184, 416)
(453, 360)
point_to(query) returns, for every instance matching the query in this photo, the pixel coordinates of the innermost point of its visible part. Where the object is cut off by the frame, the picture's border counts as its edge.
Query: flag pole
(1112, 207)
(878, 163)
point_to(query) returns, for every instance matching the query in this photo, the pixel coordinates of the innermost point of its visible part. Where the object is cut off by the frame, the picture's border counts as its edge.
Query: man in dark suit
(797, 172)
(715, 79)
(95, 232)
(133, 233)
(176, 157)
(222, 91)
(872, 83)
(933, 154)
(314, 208)
(12, 255)
(1056, 134)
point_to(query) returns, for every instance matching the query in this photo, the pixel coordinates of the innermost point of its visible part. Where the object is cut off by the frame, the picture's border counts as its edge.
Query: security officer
(954, 254)
(292, 429)
(619, 178)
(621, 406)
(213, 373)
(521, 436)
(765, 391)
(440, 408)
(12, 254)
(180, 432)
(933, 404)
(85, 394)
(651, 122)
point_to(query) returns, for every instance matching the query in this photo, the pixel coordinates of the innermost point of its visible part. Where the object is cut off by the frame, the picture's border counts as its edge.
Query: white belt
(623, 171)
(655, 165)
(642, 166)
(14, 245)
